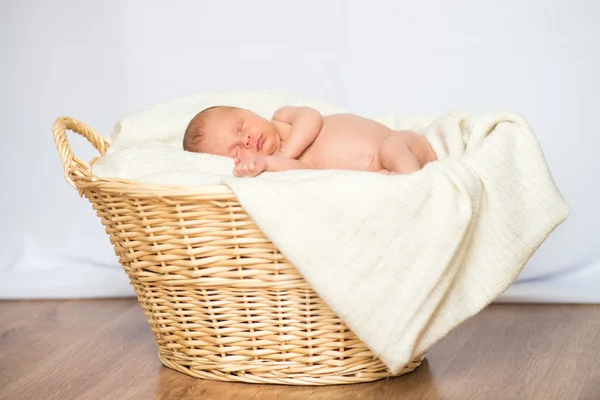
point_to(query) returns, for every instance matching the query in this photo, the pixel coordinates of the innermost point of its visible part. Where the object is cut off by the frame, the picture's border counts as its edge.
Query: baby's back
(347, 141)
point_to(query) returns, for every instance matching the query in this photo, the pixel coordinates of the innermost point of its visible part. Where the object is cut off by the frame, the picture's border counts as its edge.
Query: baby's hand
(249, 166)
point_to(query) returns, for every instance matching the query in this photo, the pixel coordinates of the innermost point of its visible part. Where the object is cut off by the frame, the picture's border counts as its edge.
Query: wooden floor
(103, 349)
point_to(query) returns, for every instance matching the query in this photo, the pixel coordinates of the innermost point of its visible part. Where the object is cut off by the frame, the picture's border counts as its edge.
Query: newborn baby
(302, 138)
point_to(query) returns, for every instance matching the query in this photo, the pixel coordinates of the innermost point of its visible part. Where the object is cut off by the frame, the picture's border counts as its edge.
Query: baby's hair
(196, 129)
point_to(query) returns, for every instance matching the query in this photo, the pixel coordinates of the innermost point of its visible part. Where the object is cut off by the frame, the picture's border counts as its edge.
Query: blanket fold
(401, 259)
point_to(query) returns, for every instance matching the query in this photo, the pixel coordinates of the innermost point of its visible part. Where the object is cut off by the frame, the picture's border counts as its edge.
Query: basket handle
(73, 165)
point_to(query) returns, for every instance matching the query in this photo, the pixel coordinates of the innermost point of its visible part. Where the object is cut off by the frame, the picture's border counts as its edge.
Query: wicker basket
(222, 302)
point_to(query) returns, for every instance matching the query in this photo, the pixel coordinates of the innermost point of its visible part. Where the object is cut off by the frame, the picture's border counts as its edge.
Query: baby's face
(240, 133)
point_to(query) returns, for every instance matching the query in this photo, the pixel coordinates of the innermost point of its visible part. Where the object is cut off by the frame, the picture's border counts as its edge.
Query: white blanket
(402, 259)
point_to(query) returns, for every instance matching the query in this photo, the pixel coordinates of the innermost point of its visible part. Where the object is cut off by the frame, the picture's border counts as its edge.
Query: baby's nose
(247, 139)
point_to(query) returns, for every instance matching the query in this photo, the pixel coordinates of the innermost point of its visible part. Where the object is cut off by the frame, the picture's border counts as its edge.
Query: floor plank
(103, 349)
(37, 331)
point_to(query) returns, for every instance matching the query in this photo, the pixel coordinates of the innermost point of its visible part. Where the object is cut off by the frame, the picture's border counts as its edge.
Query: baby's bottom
(404, 152)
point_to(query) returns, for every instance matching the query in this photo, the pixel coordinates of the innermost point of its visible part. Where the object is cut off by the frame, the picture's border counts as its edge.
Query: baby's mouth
(259, 143)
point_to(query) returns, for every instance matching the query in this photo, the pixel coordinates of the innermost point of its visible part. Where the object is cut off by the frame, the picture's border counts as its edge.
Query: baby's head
(231, 132)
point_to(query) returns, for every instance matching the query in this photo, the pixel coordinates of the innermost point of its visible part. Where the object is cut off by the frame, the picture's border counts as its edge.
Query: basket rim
(132, 187)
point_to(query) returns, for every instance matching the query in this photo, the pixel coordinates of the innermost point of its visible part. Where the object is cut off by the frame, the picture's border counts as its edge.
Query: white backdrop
(99, 61)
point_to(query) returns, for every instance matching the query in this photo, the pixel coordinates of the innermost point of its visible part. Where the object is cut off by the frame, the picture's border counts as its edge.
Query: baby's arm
(306, 124)
(252, 166)
(276, 164)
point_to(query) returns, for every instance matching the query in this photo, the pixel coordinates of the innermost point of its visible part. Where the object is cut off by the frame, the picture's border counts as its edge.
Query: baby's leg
(396, 157)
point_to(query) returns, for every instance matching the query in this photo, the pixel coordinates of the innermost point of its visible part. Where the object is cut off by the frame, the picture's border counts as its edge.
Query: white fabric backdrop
(99, 61)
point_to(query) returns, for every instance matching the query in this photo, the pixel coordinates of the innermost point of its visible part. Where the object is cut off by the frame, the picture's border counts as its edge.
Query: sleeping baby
(302, 138)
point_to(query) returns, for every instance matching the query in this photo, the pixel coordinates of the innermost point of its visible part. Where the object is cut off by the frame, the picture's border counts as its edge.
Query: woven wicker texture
(221, 301)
